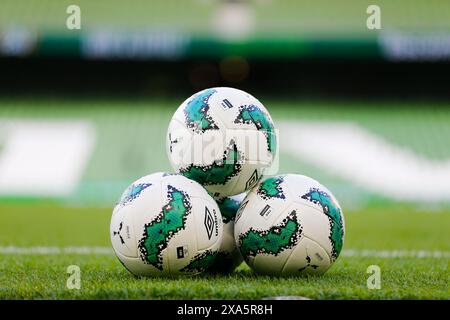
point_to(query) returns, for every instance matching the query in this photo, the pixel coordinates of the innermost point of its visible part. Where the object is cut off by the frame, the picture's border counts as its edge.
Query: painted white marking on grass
(351, 152)
(108, 251)
(45, 157)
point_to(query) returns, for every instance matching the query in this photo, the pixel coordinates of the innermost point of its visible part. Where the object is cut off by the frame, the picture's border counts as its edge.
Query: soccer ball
(228, 257)
(223, 138)
(289, 224)
(166, 224)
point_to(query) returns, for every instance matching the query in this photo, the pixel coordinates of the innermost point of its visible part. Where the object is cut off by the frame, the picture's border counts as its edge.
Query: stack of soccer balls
(218, 209)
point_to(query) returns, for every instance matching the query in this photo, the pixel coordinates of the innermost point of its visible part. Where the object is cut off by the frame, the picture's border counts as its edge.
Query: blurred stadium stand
(173, 29)
(309, 60)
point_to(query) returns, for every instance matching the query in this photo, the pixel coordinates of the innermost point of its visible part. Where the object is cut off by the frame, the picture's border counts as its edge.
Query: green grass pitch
(44, 276)
(122, 134)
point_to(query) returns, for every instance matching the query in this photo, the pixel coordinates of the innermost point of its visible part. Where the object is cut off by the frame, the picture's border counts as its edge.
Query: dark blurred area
(285, 49)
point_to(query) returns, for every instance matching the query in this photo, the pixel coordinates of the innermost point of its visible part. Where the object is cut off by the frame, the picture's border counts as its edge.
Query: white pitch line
(395, 253)
(56, 250)
(41, 250)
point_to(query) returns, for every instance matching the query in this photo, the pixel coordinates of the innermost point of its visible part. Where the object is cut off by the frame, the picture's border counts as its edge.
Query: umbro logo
(252, 180)
(210, 222)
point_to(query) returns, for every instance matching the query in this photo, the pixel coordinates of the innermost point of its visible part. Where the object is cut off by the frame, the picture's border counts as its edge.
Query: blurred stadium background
(84, 112)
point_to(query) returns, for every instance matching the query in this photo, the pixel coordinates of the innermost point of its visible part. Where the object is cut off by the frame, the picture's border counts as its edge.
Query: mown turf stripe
(108, 251)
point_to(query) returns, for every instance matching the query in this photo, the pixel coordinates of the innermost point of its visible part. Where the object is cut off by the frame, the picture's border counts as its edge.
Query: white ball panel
(308, 257)
(136, 267)
(123, 236)
(270, 264)
(315, 225)
(132, 211)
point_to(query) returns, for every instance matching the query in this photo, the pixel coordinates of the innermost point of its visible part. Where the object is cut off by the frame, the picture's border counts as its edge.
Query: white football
(228, 257)
(166, 224)
(289, 224)
(223, 138)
